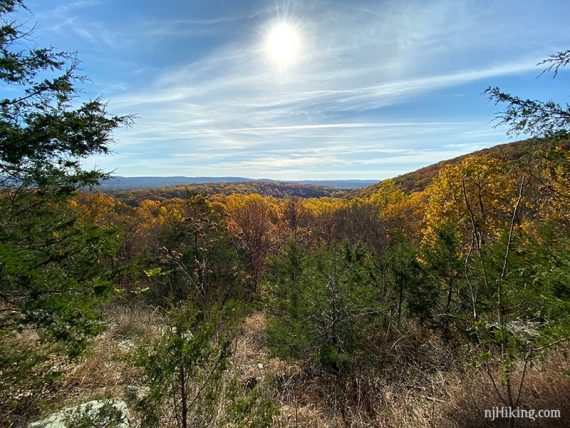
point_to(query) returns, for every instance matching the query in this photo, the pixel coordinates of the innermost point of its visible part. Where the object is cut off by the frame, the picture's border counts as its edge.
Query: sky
(369, 90)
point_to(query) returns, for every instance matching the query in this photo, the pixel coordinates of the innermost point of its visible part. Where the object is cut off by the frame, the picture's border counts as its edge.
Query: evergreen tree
(52, 270)
(324, 307)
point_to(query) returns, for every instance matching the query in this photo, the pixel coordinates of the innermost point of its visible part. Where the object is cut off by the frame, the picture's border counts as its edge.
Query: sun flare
(283, 44)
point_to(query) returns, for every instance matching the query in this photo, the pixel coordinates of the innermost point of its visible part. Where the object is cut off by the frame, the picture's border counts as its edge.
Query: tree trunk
(184, 396)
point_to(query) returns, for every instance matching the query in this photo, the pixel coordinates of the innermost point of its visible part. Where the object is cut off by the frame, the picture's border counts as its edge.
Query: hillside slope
(418, 180)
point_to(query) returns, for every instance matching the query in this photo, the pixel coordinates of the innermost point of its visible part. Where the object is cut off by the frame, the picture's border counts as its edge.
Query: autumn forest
(421, 301)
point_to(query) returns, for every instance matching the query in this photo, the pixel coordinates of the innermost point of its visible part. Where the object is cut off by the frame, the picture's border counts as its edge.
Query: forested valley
(417, 302)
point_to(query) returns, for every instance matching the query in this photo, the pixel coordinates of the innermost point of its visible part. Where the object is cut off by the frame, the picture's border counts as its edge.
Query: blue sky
(376, 88)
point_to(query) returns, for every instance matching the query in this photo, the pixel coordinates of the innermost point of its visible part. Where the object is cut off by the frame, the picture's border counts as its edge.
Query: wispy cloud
(370, 94)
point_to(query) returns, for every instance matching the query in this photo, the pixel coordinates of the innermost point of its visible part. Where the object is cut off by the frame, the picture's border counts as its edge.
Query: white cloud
(341, 106)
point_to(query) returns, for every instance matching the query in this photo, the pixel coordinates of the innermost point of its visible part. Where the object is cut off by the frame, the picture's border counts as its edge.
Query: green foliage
(252, 409)
(324, 307)
(184, 367)
(285, 292)
(50, 268)
(43, 136)
(535, 117)
(53, 270)
(53, 274)
(443, 269)
(489, 268)
(24, 370)
(404, 283)
(522, 305)
(525, 116)
(91, 415)
(539, 287)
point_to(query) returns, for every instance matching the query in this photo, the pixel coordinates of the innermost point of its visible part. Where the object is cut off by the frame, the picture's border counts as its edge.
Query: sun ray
(283, 44)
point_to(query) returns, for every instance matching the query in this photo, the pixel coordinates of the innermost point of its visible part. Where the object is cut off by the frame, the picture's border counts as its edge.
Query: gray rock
(97, 413)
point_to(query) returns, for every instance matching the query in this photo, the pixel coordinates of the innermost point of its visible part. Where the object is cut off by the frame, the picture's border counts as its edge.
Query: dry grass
(251, 358)
(547, 386)
(422, 383)
(104, 371)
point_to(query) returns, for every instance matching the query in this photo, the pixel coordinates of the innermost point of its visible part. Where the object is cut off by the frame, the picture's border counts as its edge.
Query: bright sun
(283, 44)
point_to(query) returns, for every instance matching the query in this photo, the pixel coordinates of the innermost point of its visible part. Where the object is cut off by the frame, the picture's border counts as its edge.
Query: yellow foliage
(97, 208)
(477, 193)
(388, 194)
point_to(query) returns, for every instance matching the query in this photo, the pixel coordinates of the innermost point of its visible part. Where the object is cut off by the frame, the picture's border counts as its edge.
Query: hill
(267, 188)
(418, 180)
(123, 183)
(117, 182)
(135, 189)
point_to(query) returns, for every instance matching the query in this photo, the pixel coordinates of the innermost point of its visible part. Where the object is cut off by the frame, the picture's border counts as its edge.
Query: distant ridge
(411, 182)
(125, 183)
(119, 182)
